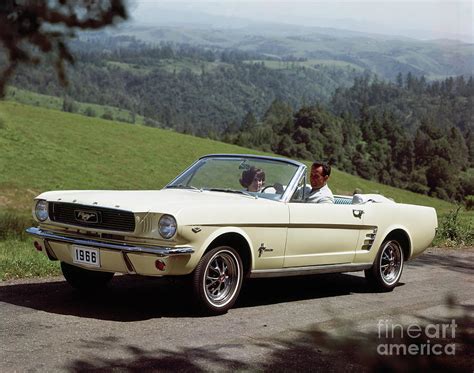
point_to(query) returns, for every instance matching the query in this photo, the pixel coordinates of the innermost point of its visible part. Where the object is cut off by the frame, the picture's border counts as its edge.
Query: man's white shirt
(321, 195)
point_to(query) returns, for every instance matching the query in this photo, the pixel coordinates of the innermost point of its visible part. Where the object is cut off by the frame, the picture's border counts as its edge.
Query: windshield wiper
(227, 190)
(181, 186)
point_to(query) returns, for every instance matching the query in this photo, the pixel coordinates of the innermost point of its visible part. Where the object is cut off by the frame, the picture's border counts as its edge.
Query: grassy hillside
(52, 102)
(43, 149)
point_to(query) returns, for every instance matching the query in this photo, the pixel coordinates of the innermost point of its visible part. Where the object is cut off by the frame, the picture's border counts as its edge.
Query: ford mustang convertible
(205, 226)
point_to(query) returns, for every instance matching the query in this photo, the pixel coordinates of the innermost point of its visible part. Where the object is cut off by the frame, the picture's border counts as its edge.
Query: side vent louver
(369, 240)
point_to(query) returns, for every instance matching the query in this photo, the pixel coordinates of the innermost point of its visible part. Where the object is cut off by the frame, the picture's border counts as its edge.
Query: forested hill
(194, 90)
(410, 133)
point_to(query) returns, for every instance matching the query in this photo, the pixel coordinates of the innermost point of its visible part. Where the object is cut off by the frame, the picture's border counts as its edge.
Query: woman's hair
(249, 175)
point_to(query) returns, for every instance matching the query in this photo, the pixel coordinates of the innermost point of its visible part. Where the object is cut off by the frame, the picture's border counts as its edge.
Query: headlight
(167, 226)
(41, 210)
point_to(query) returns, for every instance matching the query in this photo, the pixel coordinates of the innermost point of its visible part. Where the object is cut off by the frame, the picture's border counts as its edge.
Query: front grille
(100, 217)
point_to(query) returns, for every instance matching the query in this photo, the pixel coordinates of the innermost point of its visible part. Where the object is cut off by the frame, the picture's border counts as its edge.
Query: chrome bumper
(159, 250)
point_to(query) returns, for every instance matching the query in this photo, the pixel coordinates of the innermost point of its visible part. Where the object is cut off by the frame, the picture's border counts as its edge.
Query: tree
(248, 123)
(31, 29)
(69, 106)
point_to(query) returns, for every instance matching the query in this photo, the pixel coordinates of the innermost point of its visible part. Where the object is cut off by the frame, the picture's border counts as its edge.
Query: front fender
(226, 230)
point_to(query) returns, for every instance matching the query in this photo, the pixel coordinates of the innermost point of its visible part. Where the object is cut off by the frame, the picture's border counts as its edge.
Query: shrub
(90, 112)
(453, 232)
(108, 115)
(151, 122)
(469, 202)
(13, 225)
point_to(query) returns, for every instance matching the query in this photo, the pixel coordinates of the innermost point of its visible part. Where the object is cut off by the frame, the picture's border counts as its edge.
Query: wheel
(217, 280)
(388, 266)
(83, 279)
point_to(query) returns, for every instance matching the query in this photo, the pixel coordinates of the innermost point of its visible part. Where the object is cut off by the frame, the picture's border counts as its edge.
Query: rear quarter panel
(418, 222)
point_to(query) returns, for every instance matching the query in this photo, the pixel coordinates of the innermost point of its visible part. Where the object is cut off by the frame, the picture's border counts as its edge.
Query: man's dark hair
(326, 167)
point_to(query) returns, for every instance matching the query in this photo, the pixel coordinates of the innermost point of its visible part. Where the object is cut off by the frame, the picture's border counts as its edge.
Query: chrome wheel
(218, 279)
(388, 266)
(391, 261)
(222, 278)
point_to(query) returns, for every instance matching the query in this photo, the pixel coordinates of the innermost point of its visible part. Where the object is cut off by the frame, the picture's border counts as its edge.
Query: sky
(422, 19)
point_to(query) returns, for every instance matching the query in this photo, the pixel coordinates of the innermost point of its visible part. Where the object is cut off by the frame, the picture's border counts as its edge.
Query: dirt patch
(15, 199)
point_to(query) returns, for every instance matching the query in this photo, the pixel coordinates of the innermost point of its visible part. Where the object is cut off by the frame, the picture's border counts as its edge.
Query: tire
(388, 266)
(217, 280)
(85, 280)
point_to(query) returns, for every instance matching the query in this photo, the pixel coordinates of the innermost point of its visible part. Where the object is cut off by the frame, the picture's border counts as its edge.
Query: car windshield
(257, 177)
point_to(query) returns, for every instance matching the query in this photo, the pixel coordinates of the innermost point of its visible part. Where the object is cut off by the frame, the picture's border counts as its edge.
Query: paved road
(331, 322)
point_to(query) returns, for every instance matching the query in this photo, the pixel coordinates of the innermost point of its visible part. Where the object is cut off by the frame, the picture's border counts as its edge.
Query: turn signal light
(160, 265)
(38, 246)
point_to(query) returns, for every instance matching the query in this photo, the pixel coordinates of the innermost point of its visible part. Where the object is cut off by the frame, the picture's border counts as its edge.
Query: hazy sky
(423, 19)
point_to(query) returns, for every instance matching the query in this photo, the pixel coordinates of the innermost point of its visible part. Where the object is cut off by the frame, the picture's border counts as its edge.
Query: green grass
(310, 63)
(19, 259)
(56, 103)
(135, 69)
(170, 66)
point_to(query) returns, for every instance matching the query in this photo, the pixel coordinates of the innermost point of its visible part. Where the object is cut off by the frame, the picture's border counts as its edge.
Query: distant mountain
(384, 55)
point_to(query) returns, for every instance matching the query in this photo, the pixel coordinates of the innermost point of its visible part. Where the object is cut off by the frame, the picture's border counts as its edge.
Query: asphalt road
(325, 322)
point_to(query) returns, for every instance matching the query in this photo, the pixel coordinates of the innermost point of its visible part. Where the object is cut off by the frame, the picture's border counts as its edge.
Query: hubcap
(391, 262)
(221, 278)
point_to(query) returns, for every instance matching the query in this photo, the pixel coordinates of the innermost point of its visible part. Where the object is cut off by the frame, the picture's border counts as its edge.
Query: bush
(418, 188)
(69, 105)
(453, 232)
(469, 202)
(13, 225)
(90, 112)
(151, 122)
(108, 115)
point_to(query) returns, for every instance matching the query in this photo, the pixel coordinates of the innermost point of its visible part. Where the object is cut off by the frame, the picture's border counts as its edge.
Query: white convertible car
(203, 225)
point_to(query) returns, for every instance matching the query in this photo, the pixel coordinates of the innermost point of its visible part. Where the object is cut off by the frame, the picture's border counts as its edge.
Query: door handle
(358, 213)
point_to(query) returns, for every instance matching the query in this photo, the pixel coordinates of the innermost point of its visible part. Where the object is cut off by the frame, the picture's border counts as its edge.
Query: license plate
(86, 255)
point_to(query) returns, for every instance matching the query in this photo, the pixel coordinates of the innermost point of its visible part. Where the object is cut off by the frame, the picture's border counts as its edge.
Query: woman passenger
(253, 179)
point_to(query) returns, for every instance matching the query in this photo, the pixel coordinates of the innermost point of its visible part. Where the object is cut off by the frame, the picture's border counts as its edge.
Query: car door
(321, 234)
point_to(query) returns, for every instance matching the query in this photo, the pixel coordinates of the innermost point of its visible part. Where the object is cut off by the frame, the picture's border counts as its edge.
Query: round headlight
(41, 210)
(167, 226)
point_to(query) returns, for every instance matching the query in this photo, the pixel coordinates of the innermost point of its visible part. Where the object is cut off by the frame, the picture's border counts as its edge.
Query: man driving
(320, 192)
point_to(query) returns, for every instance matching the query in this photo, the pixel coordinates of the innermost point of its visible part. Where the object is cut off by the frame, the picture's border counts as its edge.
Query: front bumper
(158, 250)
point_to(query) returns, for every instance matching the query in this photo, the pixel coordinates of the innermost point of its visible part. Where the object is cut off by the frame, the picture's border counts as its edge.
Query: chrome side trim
(159, 250)
(310, 270)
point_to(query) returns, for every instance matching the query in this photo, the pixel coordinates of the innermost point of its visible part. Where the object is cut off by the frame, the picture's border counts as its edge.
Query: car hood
(169, 201)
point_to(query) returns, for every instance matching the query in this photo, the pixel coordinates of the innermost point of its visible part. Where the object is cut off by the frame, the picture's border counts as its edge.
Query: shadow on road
(461, 262)
(134, 298)
(312, 349)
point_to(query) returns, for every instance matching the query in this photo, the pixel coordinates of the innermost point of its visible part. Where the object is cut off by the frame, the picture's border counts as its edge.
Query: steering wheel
(277, 186)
